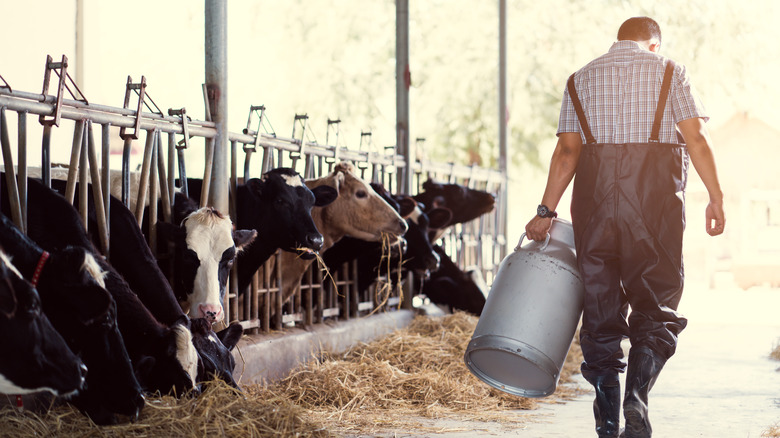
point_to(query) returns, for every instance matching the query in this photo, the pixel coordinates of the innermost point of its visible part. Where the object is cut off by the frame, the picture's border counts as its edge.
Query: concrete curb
(269, 357)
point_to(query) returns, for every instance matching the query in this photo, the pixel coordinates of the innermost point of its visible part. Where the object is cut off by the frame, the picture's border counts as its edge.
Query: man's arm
(562, 167)
(698, 141)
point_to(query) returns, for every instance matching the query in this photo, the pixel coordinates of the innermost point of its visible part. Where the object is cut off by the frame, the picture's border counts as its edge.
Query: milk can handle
(544, 245)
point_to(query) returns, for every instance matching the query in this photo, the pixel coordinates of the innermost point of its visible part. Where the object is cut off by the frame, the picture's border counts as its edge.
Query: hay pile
(775, 354)
(772, 432)
(219, 411)
(414, 372)
(411, 377)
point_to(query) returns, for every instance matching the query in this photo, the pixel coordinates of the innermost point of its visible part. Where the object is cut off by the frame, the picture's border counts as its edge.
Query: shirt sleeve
(686, 103)
(567, 121)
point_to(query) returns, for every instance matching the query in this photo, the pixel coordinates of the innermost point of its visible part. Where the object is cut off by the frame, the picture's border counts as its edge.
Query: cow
(418, 255)
(163, 357)
(205, 247)
(450, 286)
(35, 357)
(465, 204)
(279, 207)
(358, 211)
(134, 261)
(73, 296)
(214, 350)
(204, 244)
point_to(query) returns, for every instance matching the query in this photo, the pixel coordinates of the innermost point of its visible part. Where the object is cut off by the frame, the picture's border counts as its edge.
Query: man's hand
(716, 220)
(538, 228)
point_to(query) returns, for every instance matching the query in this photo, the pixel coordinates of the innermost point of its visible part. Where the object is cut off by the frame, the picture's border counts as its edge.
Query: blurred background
(335, 59)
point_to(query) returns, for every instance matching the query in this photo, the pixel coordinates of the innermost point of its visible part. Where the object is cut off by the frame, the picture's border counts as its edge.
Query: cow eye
(361, 194)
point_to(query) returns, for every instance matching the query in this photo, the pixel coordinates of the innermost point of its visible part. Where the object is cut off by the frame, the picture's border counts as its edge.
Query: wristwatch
(544, 211)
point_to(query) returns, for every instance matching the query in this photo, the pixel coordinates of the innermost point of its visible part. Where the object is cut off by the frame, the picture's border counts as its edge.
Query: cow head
(358, 211)
(172, 365)
(215, 360)
(282, 211)
(420, 256)
(465, 203)
(35, 358)
(206, 247)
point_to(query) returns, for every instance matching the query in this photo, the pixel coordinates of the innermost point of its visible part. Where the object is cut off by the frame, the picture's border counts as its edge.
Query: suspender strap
(659, 111)
(575, 100)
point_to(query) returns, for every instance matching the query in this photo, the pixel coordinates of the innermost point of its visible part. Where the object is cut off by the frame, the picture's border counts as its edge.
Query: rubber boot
(644, 366)
(606, 406)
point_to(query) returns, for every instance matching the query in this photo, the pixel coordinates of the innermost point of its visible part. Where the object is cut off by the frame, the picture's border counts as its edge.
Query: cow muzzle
(210, 312)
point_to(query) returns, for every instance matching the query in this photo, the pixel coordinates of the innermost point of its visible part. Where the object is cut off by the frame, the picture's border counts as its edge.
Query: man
(628, 212)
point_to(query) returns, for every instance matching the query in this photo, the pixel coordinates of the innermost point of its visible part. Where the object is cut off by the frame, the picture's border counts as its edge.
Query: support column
(403, 80)
(216, 93)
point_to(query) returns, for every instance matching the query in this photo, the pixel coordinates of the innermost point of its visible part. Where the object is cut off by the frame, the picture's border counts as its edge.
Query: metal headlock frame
(160, 180)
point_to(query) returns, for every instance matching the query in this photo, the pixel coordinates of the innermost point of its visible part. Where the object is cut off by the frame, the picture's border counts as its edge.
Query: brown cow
(358, 211)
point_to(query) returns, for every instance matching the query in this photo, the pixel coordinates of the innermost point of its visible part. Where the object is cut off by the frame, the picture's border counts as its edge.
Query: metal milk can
(530, 317)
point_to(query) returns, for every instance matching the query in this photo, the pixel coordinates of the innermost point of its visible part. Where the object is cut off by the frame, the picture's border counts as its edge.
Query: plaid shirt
(619, 95)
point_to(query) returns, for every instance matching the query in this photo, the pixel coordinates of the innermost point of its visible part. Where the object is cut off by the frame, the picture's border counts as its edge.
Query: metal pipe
(72, 113)
(126, 149)
(217, 94)
(21, 176)
(106, 181)
(75, 156)
(143, 184)
(83, 178)
(46, 155)
(403, 80)
(97, 191)
(8, 161)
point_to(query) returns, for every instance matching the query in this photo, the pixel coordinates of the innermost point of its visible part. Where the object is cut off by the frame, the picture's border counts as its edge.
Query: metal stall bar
(8, 162)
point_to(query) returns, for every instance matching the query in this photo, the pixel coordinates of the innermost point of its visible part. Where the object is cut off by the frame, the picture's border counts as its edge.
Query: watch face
(542, 210)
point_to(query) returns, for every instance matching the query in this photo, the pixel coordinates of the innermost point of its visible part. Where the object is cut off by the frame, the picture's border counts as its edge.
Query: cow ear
(255, 186)
(439, 217)
(406, 206)
(324, 195)
(242, 238)
(231, 335)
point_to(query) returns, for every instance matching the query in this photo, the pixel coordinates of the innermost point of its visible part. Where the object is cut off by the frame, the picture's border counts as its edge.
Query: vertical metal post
(403, 80)
(503, 118)
(22, 173)
(216, 91)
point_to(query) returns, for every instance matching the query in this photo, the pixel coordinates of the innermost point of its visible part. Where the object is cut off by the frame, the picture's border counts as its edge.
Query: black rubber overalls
(628, 214)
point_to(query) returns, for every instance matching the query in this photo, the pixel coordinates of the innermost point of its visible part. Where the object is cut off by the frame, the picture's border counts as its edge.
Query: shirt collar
(625, 45)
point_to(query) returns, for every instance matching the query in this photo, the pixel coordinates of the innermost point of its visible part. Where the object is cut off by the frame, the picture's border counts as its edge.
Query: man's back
(619, 93)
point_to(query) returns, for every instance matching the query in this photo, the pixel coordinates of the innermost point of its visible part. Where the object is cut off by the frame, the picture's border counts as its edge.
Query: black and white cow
(163, 357)
(216, 360)
(133, 259)
(278, 206)
(205, 246)
(73, 296)
(35, 357)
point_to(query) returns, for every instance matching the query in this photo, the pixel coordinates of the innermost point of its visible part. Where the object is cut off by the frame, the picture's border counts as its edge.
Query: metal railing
(477, 244)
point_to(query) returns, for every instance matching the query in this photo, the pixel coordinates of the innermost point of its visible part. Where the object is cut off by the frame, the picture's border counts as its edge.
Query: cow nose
(211, 312)
(83, 371)
(314, 241)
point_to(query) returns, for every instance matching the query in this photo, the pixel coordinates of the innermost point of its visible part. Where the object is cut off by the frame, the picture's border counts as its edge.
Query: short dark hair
(639, 29)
